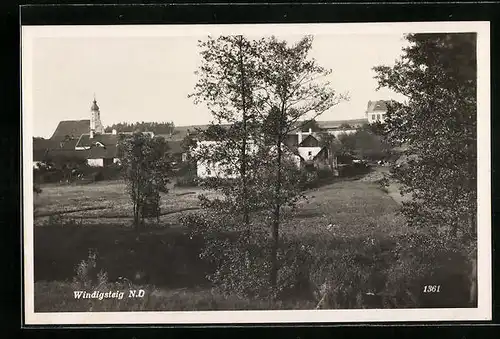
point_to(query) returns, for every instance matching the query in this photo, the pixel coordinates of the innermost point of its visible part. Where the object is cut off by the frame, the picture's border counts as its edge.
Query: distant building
(376, 111)
(80, 139)
(338, 127)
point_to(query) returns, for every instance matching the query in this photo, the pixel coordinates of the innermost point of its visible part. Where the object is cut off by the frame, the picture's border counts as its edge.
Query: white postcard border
(482, 312)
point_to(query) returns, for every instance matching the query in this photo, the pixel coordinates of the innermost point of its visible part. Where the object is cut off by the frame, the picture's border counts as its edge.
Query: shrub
(354, 169)
(240, 258)
(187, 180)
(87, 275)
(308, 179)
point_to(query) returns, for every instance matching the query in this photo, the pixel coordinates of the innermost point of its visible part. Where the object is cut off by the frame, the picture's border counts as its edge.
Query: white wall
(95, 162)
(304, 152)
(216, 170)
(379, 115)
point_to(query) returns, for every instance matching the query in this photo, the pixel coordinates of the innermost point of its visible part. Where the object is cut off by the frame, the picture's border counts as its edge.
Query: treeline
(155, 127)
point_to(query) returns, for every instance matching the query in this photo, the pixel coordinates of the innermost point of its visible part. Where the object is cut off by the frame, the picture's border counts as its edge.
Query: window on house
(378, 116)
(310, 153)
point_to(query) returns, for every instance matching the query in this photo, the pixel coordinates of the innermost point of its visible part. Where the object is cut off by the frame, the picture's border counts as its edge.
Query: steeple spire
(96, 126)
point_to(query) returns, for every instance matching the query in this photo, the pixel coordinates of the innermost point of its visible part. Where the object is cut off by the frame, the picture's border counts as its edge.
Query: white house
(227, 168)
(376, 111)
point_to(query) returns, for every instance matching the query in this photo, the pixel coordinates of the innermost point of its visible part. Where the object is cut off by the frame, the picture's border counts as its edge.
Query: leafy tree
(146, 165)
(345, 126)
(155, 127)
(226, 84)
(310, 124)
(332, 144)
(437, 73)
(294, 88)
(364, 144)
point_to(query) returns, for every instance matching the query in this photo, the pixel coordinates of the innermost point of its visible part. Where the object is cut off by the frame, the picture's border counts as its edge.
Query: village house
(305, 148)
(376, 111)
(83, 140)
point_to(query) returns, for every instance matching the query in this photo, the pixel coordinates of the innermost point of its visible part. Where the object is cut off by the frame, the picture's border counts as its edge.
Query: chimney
(310, 130)
(113, 131)
(91, 134)
(299, 133)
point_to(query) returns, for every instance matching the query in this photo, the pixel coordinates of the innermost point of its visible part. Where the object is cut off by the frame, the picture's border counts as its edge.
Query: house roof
(55, 153)
(92, 153)
(72, 128)
(43, 147)
(106, 139)
(40, 154)
(307, 138)
(377, 106)
(175, 146)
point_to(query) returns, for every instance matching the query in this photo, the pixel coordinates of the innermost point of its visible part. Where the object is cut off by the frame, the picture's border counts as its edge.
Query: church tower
(95, 120)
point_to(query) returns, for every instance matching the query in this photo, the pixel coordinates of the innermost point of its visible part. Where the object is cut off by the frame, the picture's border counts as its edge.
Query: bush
(36, 189)
(354, 169)
(188, 180)
(241, 258)
(308, 179)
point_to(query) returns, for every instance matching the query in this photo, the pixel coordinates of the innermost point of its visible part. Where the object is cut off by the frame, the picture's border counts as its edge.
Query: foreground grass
(59, 297)
(105, 202)
(353, 222)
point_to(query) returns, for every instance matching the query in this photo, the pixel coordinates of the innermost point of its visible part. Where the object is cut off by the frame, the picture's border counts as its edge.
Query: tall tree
(437, 73)
(146, 165)
(295, 87)
(226, 84)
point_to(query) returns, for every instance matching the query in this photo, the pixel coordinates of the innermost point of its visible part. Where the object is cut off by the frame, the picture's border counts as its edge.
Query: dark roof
(175, 146)
(105, 139)
(40, 154)
(42, 144)
(308, 139)
(93, 153)
(43, 147)
(376, 106)
(54, 153)
(180, 132)
(72, 128)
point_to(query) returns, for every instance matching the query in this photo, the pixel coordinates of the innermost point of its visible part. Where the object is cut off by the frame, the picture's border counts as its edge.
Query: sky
(148, 78)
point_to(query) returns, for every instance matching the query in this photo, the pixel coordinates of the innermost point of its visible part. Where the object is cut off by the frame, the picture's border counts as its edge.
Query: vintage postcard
(267, 173)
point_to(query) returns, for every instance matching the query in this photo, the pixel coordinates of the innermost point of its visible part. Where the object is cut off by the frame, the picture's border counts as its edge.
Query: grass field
(165, 261)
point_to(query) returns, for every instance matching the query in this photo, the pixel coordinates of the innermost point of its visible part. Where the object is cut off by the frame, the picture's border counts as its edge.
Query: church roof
(71, 128)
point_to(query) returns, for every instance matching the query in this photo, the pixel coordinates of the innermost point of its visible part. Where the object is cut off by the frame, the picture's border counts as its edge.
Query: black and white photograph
(266, 173)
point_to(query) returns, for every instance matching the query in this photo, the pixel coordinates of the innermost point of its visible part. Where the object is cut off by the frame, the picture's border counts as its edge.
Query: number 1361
(431, 288)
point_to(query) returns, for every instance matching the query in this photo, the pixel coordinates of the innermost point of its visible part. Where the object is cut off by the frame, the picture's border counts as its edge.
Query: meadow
(360, 223)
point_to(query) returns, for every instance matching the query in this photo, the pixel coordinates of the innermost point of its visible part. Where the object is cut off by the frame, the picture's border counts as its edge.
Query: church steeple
(96, 126)
(94, 105)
